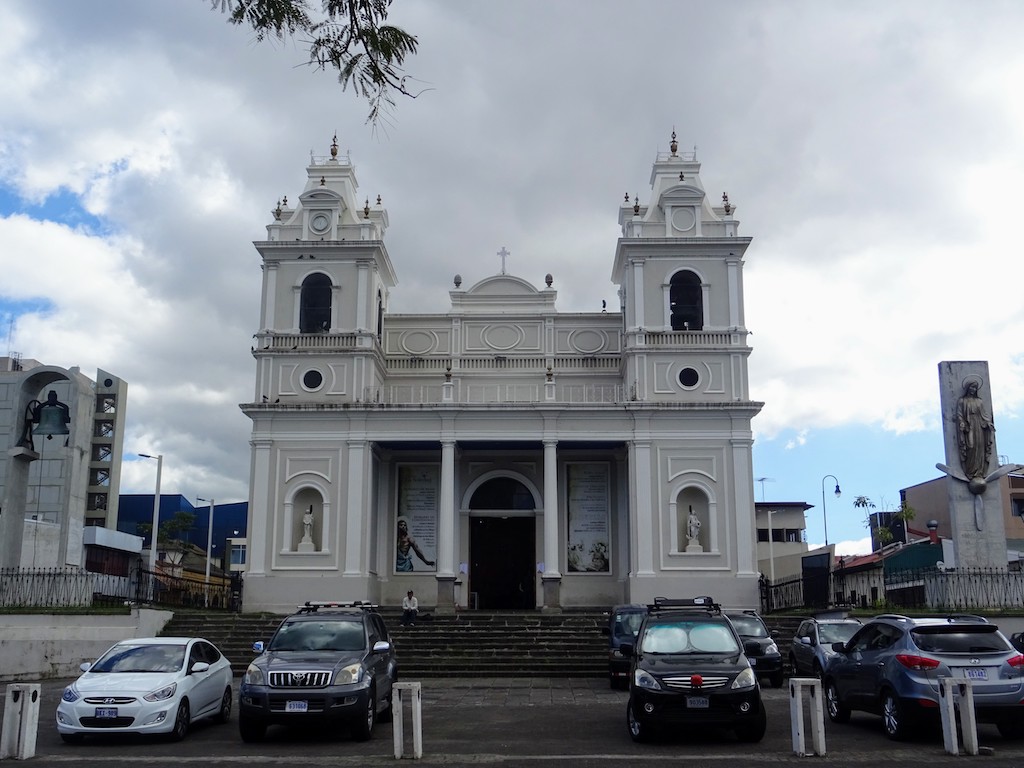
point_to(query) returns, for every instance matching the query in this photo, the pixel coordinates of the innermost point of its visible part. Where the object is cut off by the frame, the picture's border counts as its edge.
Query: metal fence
(960, 589)
(70, 587)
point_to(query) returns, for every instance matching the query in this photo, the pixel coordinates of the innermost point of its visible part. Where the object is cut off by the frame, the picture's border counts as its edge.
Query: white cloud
(873, 153)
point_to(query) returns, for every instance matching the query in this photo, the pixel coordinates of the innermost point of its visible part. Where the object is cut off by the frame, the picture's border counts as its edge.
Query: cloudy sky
(873, 151)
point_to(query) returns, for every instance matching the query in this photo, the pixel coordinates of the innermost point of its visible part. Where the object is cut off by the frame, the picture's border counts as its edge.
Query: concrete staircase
(468, 644)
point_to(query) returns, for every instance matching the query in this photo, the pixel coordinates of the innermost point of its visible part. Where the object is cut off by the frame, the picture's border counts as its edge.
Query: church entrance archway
(502, 546)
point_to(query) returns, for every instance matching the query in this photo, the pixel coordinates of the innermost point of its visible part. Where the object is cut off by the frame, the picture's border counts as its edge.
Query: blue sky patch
(61, 207)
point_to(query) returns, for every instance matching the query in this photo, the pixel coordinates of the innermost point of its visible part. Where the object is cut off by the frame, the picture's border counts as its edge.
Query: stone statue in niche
(306, 544)
(693, 532)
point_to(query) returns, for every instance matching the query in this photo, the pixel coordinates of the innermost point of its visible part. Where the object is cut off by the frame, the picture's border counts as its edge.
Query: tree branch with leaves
(351, 36)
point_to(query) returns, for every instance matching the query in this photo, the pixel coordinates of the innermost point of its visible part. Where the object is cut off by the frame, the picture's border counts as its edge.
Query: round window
(689, 377)
(312, 379)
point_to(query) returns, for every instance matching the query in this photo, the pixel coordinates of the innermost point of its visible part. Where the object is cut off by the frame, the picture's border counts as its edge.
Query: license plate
(697, 702)
(106, 712)
(976, 674)
(295, 706)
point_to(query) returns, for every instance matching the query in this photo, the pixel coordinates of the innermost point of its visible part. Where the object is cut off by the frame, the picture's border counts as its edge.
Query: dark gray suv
(892, 666)
(328, 664)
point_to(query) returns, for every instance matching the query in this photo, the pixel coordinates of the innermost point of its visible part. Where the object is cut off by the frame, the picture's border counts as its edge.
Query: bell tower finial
(673, 145)
(334, 147)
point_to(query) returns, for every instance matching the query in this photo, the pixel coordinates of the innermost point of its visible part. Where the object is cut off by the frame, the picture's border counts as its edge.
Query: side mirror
(199, 666)
(381, 646)
(839, 647)
(258, 646)
(85, 666)
(806, 640)
(626, 649)
(752, 648)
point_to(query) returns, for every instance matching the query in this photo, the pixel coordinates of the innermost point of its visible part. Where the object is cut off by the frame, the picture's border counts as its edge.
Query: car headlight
(644, 679)
(771, 648)
(253, 675)
(745, 679)
(353, 673)
(70, 694)
(162, 694)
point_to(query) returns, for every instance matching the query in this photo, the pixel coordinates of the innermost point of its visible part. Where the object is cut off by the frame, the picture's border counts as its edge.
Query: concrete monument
(972, 466)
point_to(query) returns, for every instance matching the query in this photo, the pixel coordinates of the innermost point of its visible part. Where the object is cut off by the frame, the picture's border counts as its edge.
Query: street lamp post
(209, 547)
(771, 546)
(824, 517)
(156, 510)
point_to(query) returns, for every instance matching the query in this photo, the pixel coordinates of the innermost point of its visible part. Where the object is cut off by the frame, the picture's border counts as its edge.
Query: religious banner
(587, 489)
(416, 525)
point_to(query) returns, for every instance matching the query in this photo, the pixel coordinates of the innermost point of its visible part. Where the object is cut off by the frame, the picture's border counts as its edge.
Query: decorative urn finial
(334, 147)
(673, 145)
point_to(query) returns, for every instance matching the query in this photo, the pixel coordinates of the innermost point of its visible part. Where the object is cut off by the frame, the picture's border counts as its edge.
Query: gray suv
(812, 644)
(892, 666)
(328, 664)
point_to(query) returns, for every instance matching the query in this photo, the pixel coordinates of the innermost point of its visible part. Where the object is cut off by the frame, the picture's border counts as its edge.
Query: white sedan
(148, 685)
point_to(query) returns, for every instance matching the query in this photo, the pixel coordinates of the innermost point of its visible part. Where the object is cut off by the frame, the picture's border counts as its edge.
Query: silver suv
(812, 644)
(328, 664)
(892, 666)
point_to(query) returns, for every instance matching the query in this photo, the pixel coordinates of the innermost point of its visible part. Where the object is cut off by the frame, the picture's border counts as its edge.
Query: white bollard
(21, 721)
(400, 692)
(797, 687)
(949, 687)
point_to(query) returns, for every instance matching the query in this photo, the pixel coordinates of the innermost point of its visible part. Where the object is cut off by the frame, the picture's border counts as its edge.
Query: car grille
(106, 722)
(684, 682)
(109, 700)
(300, 679)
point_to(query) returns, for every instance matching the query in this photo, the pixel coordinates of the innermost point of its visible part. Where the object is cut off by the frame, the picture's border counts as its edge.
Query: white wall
(38, 647)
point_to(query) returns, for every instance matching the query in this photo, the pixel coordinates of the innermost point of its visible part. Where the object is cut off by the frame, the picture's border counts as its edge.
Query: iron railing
(71, 587)
(958, 589)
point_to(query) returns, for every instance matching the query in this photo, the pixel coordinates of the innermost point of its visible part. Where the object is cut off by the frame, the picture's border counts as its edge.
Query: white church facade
(501, 455)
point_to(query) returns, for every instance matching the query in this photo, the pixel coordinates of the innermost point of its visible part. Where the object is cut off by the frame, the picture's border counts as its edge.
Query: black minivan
(690, 671)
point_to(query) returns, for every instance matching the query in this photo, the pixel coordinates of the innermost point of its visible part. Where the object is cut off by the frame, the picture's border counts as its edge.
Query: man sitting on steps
(410, 606)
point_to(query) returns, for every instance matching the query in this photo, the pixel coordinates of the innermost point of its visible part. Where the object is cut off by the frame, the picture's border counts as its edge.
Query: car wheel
(895, 718)
(362, 729)
(224, 713)
(251, 730)
(752, 732)
(1011, 730)
(637, 730)
(78, 738)
(776, 679)
(181, 721)
(837, 711)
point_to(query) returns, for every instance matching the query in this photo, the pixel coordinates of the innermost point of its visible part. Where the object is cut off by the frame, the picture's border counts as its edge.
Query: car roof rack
(312, 606)
(703, 603)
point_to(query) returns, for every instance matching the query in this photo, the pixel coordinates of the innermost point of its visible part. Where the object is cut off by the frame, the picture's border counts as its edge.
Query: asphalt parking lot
(525, 722)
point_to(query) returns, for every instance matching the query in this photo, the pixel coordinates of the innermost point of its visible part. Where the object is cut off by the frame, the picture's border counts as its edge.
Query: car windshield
(950, 639)
(325, 635)
(126, 657)
(686, 636)
(748, 626)
(836, 633)
(628, 623)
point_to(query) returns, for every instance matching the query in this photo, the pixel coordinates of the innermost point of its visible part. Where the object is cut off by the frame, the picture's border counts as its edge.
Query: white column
(296, 306)
(551, 558)
(446, 530)
(640, 474)
(270, 297)
(356, 512)
(743, 483)
(260, 518)
(637, 304)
